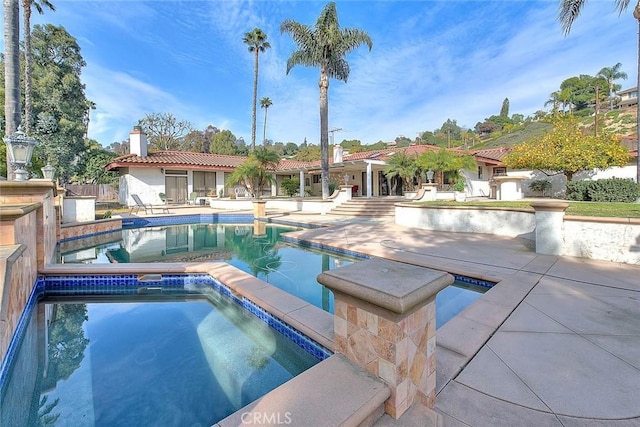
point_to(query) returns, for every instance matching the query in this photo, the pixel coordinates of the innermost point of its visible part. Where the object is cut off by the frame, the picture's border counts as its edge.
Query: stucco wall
(78, 209)
(145, 182)
(606, 239)
(603, 239)
(559, 181)
(512, 223)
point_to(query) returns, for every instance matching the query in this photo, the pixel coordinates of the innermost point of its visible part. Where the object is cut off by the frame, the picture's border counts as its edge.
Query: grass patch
(113, 208)
(613, 210)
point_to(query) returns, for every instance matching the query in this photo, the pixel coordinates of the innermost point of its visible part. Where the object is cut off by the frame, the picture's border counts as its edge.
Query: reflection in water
(127, 362)
(65, 351)
(67, 342)
(255, 248)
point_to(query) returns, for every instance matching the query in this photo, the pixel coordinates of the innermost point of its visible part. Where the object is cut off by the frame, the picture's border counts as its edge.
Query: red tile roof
(178, 159)
(491, 155)
(182, 159)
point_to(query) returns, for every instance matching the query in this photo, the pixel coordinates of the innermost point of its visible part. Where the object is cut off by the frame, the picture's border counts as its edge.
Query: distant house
(174, 173)
(628, 97)
(179, 175)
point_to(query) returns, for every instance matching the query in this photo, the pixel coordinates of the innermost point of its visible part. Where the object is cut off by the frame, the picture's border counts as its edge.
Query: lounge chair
(148, 207)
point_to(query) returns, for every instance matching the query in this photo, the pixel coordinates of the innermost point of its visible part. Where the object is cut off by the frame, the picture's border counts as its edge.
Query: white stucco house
(183, 176)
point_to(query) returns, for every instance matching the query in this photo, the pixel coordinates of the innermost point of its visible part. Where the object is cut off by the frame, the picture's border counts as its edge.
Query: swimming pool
(177, 351)
(256, 248)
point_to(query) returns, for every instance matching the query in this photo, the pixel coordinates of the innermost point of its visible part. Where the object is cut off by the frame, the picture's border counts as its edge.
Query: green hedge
(604, 190)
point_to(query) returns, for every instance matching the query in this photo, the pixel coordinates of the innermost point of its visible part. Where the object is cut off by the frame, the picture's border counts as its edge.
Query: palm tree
(11, 10)
(569, 11)
(255, 172)
(404, 166)
(265, 103)
(554, 99)
(26, 16)
(325, 46)
(257, 41)
(611, 74)
(443, 160)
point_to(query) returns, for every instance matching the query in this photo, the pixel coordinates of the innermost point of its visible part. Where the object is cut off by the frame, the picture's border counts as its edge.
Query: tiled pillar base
(385, 321)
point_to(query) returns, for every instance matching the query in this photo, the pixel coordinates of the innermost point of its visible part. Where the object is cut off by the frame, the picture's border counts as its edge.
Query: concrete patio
(555, 343)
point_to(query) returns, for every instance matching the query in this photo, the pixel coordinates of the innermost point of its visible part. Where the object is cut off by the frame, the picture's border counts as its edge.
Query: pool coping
(312, 321)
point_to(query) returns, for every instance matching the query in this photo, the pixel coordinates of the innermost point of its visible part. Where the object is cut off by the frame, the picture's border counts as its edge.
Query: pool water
(187, 362)
(256, 249)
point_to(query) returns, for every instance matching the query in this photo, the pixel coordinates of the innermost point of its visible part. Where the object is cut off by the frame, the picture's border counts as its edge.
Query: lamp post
(48, 172)
(20, 151)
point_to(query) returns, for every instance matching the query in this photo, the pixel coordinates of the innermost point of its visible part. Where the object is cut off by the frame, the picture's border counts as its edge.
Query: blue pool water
(143, 360)
(257, 249)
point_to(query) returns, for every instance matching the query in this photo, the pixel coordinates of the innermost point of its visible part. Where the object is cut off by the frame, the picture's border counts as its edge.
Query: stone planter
(460, 196)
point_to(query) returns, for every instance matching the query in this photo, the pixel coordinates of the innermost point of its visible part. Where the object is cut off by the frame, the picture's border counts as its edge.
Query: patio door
(176, 189)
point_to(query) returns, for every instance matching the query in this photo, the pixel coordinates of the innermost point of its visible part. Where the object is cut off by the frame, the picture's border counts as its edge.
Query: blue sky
(431, 60)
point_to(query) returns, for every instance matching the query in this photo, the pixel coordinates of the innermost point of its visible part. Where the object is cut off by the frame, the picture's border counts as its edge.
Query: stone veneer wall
(25, 193)
(20, 274)
(69, 231)
(403, 354)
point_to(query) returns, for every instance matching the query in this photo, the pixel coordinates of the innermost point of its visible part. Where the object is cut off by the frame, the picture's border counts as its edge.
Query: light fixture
(20, 151)
(429, 176)
(48, 172)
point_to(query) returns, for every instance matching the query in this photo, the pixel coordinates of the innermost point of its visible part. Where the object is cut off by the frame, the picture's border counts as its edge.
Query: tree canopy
(255, 172)
(325, 46)
(164, 131)
(567, 149)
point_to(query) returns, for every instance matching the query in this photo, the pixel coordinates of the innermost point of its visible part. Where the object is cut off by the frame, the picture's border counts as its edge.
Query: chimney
(138, 142)
(337, 153)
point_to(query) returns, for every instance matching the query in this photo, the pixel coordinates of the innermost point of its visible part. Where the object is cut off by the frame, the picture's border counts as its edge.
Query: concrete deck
(556, 342)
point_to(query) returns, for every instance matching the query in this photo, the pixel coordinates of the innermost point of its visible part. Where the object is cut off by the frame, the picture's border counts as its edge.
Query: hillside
(619, 122)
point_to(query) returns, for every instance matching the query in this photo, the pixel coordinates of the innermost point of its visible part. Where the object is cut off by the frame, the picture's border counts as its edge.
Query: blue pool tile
(193, 283)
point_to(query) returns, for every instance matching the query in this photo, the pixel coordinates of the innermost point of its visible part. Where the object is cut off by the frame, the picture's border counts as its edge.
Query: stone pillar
(259, 208)
(549, 227)
(259, 228)
(431, 191)
(384, 321)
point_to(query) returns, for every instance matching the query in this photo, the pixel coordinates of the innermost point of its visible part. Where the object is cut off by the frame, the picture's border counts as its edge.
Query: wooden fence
(102, 192)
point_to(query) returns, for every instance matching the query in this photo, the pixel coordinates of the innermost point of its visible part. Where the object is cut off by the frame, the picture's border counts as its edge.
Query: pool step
(335, 392)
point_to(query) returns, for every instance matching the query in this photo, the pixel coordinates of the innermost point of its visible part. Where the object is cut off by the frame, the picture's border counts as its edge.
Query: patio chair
(192, 198)
(148, 207)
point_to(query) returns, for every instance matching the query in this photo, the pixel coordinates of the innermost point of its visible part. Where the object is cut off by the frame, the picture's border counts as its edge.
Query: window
(204, 182)
(316, 179)
(480, 172)
(499, 171)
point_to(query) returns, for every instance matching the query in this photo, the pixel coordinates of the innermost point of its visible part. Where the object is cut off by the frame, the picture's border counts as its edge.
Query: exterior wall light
(48, 172)
(20, 151)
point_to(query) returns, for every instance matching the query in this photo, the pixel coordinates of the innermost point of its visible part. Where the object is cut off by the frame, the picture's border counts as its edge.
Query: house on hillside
(628, 98)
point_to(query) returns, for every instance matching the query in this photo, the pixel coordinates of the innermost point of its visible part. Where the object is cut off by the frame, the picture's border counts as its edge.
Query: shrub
(107, 215)
(332, 187)
(604, 190)
(291, 186)
(540, 186)
(578, 190)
